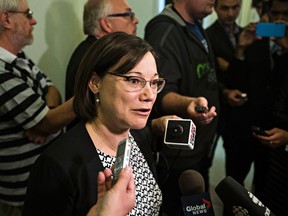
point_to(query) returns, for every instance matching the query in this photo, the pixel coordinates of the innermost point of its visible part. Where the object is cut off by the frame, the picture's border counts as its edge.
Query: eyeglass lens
(28, 13)
(135, 83)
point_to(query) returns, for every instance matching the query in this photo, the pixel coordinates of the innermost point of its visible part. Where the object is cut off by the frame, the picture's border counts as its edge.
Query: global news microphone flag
(198, 204)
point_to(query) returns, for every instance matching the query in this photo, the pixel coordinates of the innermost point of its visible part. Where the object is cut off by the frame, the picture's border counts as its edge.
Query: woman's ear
(94, 83)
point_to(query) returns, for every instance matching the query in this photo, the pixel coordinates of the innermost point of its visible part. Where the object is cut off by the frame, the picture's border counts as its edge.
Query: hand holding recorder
(114, 200)
(276, 137)
(235, 97)
(200, 113)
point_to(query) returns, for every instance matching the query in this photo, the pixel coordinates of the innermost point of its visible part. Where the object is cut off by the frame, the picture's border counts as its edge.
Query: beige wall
(56, 34)
(59, 31)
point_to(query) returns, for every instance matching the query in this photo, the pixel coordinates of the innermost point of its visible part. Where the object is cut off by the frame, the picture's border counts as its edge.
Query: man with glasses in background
(28, 122)
(100, 18)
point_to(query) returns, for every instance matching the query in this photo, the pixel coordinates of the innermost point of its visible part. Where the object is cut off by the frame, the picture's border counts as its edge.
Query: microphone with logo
(180, 134)
(238, 201)
(195, 201)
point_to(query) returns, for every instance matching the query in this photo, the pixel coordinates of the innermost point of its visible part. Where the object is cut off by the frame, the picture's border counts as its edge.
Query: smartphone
(259, 131)
(201, 109)
(270, 29)
(122, 157)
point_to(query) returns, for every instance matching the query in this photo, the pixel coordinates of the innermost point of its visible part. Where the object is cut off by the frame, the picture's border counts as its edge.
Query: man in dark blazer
(256, 68)
(224, 35)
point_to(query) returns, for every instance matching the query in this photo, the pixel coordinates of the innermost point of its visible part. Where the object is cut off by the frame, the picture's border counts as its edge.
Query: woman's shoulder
(75, 143)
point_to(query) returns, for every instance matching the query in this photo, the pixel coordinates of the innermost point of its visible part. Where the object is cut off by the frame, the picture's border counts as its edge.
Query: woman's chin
(138, 126)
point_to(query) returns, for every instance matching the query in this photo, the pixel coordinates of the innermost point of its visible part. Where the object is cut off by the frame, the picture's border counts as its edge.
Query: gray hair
(94, 10)
(8, 5)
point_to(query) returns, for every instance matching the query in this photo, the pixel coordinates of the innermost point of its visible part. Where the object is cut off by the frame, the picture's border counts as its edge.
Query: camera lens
(177, 131)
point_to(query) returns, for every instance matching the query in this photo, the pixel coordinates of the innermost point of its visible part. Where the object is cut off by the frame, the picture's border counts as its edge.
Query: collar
(187, 23)
(236, 29)
(7, 56)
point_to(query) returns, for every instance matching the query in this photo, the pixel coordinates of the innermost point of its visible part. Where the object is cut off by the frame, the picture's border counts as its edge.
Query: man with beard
(226, 39)
(100, 17)
(30, 111)
(187, 62)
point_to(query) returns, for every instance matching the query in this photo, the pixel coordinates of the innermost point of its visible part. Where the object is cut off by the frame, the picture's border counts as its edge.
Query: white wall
(59, 31)
(145, 10)
(56, 34)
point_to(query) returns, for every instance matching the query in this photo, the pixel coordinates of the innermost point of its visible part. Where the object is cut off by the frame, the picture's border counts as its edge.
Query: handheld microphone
(238, 201)
(180, 134)
(195, 200)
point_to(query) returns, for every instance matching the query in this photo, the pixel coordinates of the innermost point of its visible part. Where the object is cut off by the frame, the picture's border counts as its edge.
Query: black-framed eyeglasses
(128, 14)
(28, 13)
(136, 83)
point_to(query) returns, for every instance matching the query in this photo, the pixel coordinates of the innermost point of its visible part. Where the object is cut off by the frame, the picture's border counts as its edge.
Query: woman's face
(122, 110)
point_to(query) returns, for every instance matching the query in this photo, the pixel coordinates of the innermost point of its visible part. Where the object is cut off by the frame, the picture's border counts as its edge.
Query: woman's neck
(103, 138)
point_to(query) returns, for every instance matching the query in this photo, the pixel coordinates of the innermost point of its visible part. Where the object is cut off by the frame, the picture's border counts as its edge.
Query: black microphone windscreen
(191, 182)
(238, 201)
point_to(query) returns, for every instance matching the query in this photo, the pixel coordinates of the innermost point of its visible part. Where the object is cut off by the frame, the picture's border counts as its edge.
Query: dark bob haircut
(118, 51)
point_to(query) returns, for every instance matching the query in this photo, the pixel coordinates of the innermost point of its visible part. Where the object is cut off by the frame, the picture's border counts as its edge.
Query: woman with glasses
(116, 86)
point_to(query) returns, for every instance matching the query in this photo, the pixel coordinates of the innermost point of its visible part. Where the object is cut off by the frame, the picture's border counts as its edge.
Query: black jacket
(74, 63)
(63, 180)
(223, 47)
(189, 70)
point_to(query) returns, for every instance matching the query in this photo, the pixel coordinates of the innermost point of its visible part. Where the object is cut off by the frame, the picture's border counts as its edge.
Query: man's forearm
(173, 103)
(53, 98)
(57, 118)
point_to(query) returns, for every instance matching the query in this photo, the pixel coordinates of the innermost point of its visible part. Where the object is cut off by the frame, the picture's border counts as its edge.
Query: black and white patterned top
(148, 193)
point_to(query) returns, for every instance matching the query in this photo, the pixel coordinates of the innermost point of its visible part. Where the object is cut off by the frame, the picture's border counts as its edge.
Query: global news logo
(199, 209)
